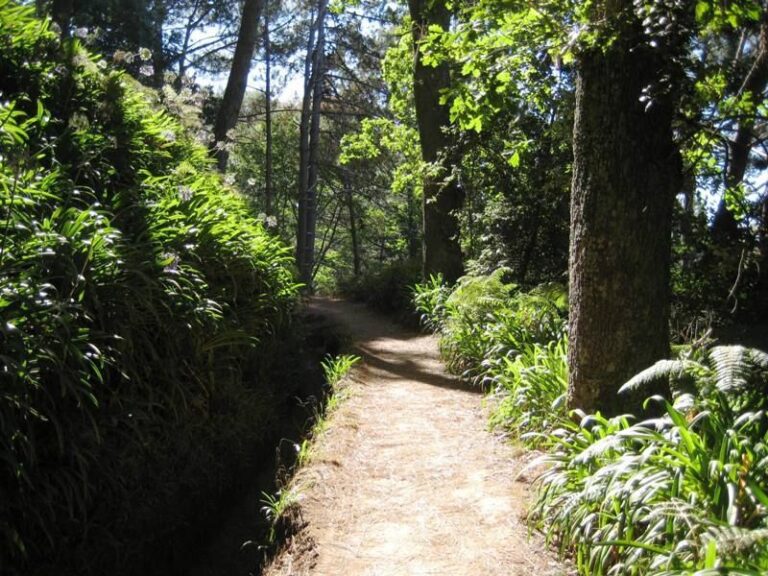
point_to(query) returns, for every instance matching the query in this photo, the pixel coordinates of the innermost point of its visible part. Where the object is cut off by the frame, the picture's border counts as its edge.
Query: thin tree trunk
(626, 172)
(306, 111)
(268, 118)
(725, 228)
(352, 224)
(192, 22)
(442, 196)
(310, 194)
(159, 13)
(318, 75)
(237, 82)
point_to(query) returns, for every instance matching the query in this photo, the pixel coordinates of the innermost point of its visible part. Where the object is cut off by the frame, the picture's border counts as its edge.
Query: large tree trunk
(725, 228)
(238, 79)
(443, 196)
(626, 172)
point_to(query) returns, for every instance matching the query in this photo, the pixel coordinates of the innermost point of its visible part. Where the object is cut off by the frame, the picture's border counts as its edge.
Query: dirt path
(406, 480)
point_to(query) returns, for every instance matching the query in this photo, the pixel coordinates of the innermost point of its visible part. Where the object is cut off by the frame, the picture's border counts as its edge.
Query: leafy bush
(483, 320)
(141, 306)
(532, 389)
(680, 493)
(429, 301)
(387, 290)
(513, 342)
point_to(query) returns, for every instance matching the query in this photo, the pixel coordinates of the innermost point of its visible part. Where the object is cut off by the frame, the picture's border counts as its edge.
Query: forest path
(406, 480)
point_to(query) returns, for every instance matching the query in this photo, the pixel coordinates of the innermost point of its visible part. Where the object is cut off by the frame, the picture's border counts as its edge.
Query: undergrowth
(681, 493)
(511, 342)
(282, 508)
(142, 307)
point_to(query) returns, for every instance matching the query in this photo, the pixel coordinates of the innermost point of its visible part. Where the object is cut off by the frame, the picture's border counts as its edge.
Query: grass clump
(141, 305)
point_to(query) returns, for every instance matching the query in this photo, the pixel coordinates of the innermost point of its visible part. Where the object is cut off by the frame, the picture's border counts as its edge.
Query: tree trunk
(304, 119)
(318, 76)
(626, 172)
(309, 194)
(443, 196)
(159, 14)
(268, 118)
(352, 224)
(725, 228)
(238, 79)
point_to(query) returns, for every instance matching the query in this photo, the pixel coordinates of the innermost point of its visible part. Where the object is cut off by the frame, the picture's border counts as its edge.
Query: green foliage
(429, 299)
(275, 508)
(335, 368)
(677, 494)
(532, 389)
(387, 290)
(487, 319)
(140, 306)
(513, 342)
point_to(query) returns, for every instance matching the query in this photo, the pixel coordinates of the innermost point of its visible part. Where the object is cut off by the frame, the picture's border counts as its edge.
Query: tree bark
(310, 203)
(442, 197)
(159, 14)
(237, 82)
(626, 172)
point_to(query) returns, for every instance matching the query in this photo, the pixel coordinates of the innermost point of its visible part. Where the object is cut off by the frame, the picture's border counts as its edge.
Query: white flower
(185, 193)
(81, 32)
(251, 181)
(271, 221)
(146, 70)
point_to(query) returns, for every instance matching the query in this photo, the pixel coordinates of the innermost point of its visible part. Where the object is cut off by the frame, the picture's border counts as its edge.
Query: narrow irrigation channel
(234, 541)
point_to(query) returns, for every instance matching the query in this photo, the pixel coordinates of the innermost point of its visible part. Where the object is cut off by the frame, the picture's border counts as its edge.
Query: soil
(406, 479)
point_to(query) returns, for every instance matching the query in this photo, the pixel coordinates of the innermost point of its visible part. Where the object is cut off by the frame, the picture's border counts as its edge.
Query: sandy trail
(406, 480)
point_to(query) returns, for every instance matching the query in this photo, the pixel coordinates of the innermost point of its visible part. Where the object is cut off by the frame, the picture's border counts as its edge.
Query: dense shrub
(386, 290)
(680, 493)
(140, 305)
(513, 342)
